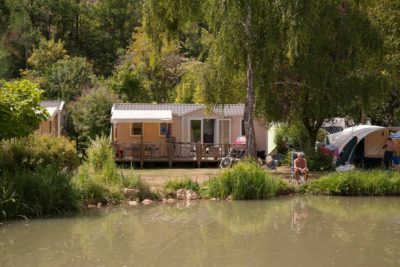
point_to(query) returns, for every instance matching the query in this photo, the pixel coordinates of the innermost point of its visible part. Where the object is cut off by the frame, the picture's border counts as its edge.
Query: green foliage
(386, 16)
(41, 193)
(291, 135)
(134, 182)
(20, 110)
(187, 183)
(38, 152)
(127, 83)
(90, 116)
(318, 161)
(46, 54)
(96, 29)
(190, 89)
(357, 183)
(246, 180)
(68, 78)
(97, 178)
(159, 71)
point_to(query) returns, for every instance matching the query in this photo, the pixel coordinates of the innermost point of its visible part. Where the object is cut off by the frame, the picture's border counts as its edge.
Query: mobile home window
(224, 131)
(137, 128)
(164, 129)
(242, 131)
(195, 131)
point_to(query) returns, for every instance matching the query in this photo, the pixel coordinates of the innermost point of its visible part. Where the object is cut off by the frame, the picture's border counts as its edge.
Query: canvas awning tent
(147, 116)
(347, 140)
(396, 141)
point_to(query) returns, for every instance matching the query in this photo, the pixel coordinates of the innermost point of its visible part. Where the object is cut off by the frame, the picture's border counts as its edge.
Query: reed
(183, 183)
(45, 192)
(247, 180)
(357, 183)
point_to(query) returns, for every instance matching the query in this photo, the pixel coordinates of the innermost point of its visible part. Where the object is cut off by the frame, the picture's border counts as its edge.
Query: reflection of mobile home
(54, 125)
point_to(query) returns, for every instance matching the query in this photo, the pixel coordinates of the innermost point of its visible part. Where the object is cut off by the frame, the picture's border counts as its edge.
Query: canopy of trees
(295, 61)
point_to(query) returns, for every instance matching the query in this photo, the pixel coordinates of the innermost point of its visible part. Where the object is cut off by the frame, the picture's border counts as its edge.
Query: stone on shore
(147, 202)
(129, 192)
(191, 195)
(181, 194)
(133, 203)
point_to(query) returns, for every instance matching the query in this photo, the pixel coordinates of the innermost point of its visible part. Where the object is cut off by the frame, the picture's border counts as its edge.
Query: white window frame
(136, 135)
(230, 129)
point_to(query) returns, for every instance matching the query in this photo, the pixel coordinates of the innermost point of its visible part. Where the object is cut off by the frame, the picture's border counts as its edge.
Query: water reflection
(290, 231)
(299, 214)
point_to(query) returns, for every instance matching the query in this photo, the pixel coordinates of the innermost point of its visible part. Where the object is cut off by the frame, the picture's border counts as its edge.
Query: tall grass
(97, 178)
(36, 194)
(357, 183)
(246, 180)
(134, 182)
(185, 183)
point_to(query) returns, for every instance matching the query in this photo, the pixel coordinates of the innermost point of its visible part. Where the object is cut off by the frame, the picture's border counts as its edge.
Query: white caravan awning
(131, 116)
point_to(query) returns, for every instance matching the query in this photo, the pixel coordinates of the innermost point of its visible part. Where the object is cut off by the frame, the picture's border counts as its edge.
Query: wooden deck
(173, 152)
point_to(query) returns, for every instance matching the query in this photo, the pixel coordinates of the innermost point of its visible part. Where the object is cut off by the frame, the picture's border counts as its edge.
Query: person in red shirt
(300, 167)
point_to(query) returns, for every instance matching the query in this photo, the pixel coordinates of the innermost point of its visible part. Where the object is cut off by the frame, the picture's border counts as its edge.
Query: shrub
(357, 183)
(43, 192)
(187, 183)
(89, 116)
(38, 152)
(97, 178)
(246, 180)
(318, 161)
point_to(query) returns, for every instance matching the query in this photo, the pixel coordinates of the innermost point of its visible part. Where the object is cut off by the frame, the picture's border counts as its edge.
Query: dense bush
(97, 178)
(187, 183)
(318, 161)
(356, 183)
(246, 180)
(46, 191)
(89, 116)
(37, 152)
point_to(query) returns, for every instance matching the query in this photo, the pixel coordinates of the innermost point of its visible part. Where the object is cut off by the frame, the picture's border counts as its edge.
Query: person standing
(389, 151)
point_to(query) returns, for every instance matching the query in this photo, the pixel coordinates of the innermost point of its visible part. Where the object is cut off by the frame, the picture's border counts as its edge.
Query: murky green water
(283, 232)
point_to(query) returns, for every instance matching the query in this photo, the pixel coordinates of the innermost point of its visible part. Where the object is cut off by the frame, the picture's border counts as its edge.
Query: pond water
(289, 231)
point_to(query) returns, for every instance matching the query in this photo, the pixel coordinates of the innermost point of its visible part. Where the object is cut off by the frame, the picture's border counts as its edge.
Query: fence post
(170, 154)
(198, 154)
(141, 155)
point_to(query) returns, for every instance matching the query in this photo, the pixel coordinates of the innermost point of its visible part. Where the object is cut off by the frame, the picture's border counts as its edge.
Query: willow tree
(327, 43)
(386, 16)
(239, 48)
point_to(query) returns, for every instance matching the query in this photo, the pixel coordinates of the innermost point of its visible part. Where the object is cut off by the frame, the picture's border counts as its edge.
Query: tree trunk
(249, 106)
(363, 115)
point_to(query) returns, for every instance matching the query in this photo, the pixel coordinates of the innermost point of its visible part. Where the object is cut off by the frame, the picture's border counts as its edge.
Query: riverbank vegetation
(45, 191)
(356, 183)
(247, 180)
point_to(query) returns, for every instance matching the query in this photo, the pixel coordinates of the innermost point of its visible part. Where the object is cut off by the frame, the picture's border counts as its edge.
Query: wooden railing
(173, 152)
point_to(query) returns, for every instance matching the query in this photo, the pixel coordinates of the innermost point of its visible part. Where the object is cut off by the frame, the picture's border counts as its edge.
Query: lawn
(157, 177)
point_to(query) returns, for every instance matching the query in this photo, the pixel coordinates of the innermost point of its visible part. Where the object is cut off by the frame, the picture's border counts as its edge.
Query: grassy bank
(356, 183)
(247, 180)
(37, 194)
